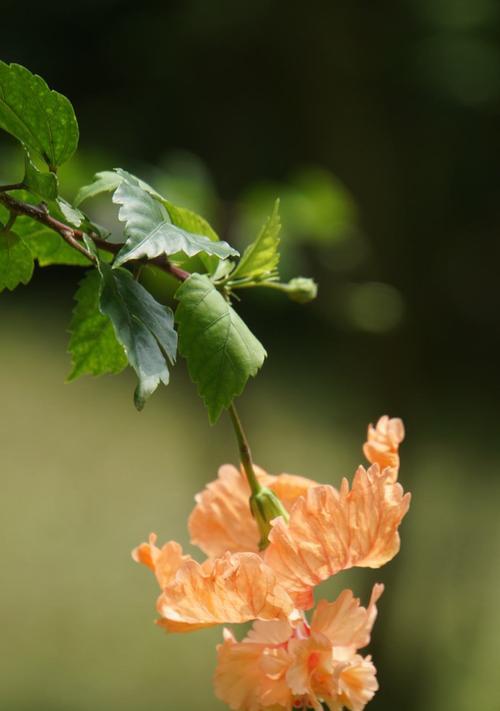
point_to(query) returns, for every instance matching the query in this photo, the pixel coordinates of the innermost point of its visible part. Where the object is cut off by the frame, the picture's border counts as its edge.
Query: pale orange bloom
(233, 588)
(328, 531)
(383, 443)
(278, 666)
(332, 530)
(221, 520)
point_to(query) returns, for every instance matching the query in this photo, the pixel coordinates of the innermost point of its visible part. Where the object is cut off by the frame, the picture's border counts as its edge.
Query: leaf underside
(150, 231)
(144, 327)
(220, 350)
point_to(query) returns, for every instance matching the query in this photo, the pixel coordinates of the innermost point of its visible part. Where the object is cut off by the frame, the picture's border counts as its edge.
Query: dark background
(395, 106)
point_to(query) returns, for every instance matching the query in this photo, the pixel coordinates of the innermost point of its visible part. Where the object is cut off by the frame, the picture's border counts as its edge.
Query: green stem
(245, 452)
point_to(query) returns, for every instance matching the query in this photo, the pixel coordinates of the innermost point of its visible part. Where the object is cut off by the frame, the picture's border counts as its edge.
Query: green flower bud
(302, 290)
(266, 506)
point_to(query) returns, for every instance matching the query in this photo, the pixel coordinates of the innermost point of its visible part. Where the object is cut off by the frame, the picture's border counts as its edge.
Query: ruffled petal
(221, 520)
(234, 588)
(250, 677)
(357, 684)
(269, 632)
(164, 562)
(332, 530)
(345, 622)
(383, 442)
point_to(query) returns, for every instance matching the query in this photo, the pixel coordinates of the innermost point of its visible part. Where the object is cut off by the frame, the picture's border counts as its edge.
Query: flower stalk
(264, 504)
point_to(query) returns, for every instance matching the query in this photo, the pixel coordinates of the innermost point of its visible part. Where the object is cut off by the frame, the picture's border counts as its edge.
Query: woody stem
(245, 452)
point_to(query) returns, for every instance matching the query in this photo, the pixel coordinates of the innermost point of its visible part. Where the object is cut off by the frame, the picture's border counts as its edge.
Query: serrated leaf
(16, 261)
(144, 327)
(221, 351)
(43, 184)
(261, 257)
(107, 181)
(69, 213)
(93, 345)
(192, 222)
(150, 231)
(43, 120)
(104, 182)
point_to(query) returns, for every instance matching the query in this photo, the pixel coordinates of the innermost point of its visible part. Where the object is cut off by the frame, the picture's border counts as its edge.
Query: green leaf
(150, 232)
(69, 213)
(261, 258)
(93, 345)
(221, 351)
(144, 327)
(16, 261)
(107, 181)
(43, 120)
(104, 182)
(43, 184)
(192, 222)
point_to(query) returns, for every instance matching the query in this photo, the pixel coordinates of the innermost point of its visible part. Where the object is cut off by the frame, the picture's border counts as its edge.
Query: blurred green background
(377, 124)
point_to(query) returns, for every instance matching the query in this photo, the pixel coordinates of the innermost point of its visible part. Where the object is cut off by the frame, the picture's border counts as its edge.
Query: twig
(13, 186)
(74, 236)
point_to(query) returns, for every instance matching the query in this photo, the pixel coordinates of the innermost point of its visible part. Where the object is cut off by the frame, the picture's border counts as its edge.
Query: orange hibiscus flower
(284, 661)
(280, 665)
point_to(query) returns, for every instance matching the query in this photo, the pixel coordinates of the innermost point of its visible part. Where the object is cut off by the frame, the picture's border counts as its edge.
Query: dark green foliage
(41, 119)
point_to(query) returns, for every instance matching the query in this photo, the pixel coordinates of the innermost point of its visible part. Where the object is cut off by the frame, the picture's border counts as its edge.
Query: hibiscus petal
(250, 677)
(269, 632)
(332, 530)
(164, 562)
(221, 520)
(383, 442)
(357, 684)
(345, 622)
(234, 588)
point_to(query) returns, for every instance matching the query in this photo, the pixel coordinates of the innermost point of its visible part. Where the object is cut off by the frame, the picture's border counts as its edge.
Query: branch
(14, 186)
(74, 236)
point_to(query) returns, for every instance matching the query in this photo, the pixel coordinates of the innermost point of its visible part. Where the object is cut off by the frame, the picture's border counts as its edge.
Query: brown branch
(14, 186)
(74, 236)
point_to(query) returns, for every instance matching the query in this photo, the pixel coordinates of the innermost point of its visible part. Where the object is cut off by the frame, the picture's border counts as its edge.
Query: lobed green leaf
(150, 231)
(192, 222)
(220, 350)
(144, 327)
(41, 119)
(93, 345)
(104, 182)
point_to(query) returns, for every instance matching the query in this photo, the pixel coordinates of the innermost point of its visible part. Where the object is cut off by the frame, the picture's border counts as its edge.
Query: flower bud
(266, 506)
(302, 289)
